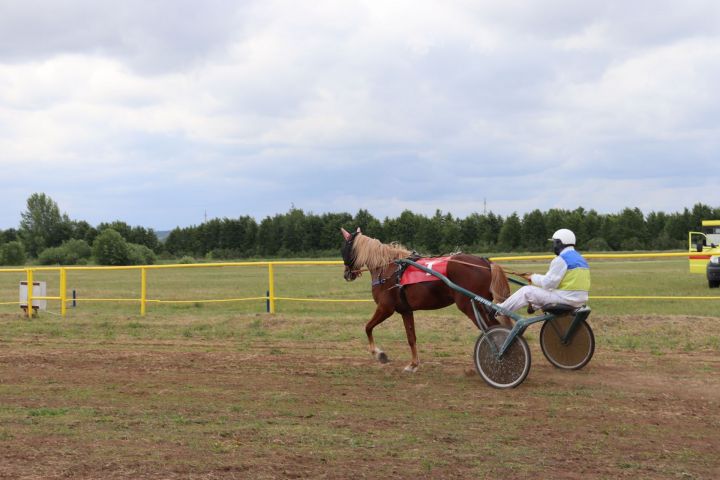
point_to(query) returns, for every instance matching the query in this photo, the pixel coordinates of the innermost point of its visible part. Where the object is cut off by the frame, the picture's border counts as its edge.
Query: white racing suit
(566, 281)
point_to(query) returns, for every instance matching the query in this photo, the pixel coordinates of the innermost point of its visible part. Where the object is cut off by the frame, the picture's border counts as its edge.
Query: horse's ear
(345, 234)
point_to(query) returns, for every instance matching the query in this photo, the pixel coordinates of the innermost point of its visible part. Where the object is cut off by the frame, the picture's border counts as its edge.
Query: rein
(360, 271)
(380, 280)
(486, 268)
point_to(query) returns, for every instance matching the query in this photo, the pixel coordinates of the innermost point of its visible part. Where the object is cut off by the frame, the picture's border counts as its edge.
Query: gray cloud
(153, 112)
(152, 36)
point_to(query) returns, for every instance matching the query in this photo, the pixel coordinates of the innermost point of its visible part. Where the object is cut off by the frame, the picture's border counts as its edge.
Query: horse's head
(351, 271)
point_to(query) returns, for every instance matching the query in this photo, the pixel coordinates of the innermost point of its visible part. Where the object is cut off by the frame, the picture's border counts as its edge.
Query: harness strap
(404, 305)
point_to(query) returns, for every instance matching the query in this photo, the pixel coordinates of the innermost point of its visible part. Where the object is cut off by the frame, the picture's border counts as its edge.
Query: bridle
(352, 273)
(349, 259)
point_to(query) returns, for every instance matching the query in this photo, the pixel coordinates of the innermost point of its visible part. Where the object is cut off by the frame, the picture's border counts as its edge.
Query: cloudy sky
(157, 111)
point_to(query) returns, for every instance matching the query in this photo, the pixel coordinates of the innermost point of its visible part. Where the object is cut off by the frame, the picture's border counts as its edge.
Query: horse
(477, 274)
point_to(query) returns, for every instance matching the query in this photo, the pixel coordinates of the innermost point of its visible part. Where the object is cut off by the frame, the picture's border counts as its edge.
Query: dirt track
(289, 409)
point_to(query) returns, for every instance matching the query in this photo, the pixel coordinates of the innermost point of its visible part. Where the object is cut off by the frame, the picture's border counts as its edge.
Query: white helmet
(566, 237)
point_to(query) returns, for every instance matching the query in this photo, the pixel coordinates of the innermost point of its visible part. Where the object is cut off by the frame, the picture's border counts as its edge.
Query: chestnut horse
(477, 274)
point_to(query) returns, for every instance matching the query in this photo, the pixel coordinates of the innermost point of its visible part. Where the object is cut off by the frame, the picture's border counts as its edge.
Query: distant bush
(632, 243)
(12, 253)
(110, 248)
(166, 256)
(140, 255)
(224, 254)
(664, 242)
(187, 260)
(77, 249)
(597, 244)
(71, 252)
(52, 256)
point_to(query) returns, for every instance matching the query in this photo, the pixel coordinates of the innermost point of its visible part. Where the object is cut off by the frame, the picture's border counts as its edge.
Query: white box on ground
(39, 290)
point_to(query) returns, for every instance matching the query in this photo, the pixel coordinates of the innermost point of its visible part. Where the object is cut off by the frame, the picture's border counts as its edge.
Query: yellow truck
(704, 249)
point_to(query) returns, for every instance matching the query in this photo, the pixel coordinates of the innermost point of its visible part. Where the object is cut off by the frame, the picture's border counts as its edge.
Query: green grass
(193, 389)
(609, 277)
(243, 322)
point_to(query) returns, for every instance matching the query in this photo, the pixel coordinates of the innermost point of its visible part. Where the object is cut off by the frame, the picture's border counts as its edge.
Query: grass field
(610, 277)
(199, 390)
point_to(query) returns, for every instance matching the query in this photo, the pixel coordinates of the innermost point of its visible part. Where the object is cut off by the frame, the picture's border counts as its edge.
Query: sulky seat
(558, 308)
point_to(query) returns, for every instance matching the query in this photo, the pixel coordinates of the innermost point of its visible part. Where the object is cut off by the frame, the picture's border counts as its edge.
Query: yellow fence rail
(272, 298)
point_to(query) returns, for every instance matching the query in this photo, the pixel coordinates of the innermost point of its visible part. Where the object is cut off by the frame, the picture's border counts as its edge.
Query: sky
(162, 112)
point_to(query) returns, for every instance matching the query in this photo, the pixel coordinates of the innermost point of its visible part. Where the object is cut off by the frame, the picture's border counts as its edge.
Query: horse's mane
(374, 254)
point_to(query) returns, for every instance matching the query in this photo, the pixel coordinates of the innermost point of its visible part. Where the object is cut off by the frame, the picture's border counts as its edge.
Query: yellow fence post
(63, 292)
(29, 292)
(143, 290)
(271, 287)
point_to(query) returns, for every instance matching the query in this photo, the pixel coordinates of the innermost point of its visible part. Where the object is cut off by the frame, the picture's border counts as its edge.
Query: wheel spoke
(506, 371)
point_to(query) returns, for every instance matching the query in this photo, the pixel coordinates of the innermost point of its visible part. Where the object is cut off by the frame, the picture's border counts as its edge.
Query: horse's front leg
(381, 314)
(409, 321)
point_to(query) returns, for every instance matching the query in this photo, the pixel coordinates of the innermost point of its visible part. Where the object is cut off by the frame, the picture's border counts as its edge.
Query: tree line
(49, 237)
(297, 233)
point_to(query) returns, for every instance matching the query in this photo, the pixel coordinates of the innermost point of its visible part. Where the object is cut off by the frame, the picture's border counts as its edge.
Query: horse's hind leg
(380, 315)
(409, 321)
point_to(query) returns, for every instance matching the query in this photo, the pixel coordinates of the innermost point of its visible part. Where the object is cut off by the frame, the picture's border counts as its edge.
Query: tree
(368, 224)
(119, 226)
(677, 226)
(82, 230)
(700, 212)
(178, 243)
(140, 255)
(313, 231)
(9, 235)
(293, 227)
(631, 224)
(429, 234)
(451, 234)
(247, 235)
(555, 219)
(110, 248)
(12, 253)
(406, 228)
(510, 233)
(597, 244)
(42, 225)
(491, 229)
(480, 232)
(534, 236)
(71, 252)
(332, 222)
(470, 228)
(144, 236)
(591, 228)
(269, 235)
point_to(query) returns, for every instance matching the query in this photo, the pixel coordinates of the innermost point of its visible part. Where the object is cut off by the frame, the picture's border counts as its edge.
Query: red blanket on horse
(415, 275)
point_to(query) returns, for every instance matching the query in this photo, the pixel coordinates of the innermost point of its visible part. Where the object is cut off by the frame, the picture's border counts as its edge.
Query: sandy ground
(298, 409)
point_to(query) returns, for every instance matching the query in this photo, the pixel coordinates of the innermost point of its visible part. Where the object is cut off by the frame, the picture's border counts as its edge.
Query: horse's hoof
(410, 369)
(382, 357)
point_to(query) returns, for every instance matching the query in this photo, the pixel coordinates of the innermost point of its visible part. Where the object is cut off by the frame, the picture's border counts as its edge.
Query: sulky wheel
(507, 371)
(574, 354)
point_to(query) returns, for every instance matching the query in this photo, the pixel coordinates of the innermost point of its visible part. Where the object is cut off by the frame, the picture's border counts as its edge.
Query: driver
(566, 281)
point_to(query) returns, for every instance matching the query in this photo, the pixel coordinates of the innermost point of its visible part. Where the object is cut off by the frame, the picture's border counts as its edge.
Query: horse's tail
(499, 285)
